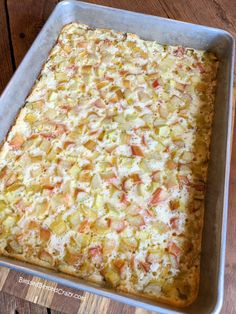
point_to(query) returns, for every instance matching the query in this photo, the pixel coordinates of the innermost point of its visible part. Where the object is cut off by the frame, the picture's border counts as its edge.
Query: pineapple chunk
(61, 77)
(84, 176)
(15, 186)
(3, 205)
(15, 246)
(98, 201)
(112, 277)
(102, 84)
(52, 96)
(87, 268)
(42, 209)
(127, 162)
(52, 155)
(87, 69)
(101, 225)
(160, 226)
(141, 189)
(154, 288)
(166, 63)
(36, 105)
(127, 83)
(127, 244)
(177, 130)
(171, 181)
(58, 227)
(74, 219)
(45, 146)
(50, 114)
(153, 186)
(57, 200)
(164, 131)
(12, 197)
(164, 113)
(174, 103)
(160, 147)
(108, 246)
(72, 258)
(130, 101)
(90, 144)
(187, 157)
(110, 208)
(35, 159)
(96, 182)
(84, 240)
(34, 188)
(74, 170)
(142, 235)
(9, 222)
(30, 118)
(66, 48)
(135, 220)
(180, 86)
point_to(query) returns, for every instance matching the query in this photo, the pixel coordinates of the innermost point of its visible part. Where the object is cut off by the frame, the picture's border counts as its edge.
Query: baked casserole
(103, 174)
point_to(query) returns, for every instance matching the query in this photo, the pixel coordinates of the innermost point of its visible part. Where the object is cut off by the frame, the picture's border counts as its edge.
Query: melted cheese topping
(103, 174)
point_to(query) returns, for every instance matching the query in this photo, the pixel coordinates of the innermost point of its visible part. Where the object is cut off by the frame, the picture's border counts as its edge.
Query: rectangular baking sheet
(165, 31)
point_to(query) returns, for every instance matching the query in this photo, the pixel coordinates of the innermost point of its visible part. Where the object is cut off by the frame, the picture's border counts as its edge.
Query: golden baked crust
(103, 174)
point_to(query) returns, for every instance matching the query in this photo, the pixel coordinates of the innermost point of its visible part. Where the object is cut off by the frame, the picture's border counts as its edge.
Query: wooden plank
(39, 295)
(3, 276)
(94, 304)
(6, 68)
(65, 296)
(12, 305)
(116, 307)
(26, 19)
(14, 286)
(141, 311)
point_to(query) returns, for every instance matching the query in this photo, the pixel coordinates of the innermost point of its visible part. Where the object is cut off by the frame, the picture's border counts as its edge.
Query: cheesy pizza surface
(103, 174)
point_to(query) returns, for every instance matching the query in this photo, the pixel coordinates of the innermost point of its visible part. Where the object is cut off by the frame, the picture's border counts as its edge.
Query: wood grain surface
(6, 66)
(20, 21)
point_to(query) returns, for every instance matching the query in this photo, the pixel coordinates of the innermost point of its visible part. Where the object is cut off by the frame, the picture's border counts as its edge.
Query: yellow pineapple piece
(14, 186)
(74, 219)
(3, 205)
(61, 77)
(74, 170)
(164, 131)
(15, 247)
(90, 144)
(59, 227)
(9, 222)
(30, 118)
(52, 96)
(42, 209)
(112, 277)
(127, 244)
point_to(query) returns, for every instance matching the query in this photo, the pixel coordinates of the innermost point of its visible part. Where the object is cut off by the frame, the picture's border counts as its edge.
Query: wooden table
(20, 21)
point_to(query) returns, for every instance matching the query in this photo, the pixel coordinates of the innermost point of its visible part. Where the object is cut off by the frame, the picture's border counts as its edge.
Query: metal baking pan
(165, 31)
